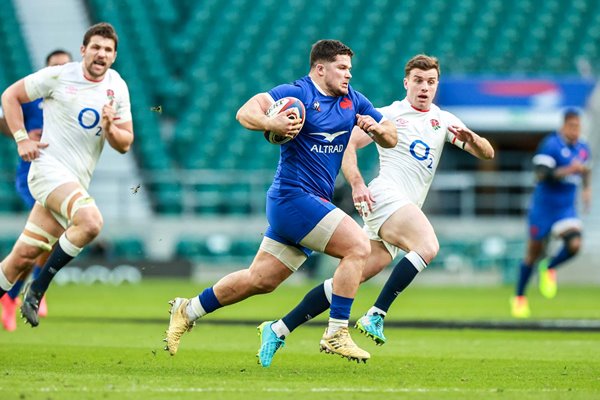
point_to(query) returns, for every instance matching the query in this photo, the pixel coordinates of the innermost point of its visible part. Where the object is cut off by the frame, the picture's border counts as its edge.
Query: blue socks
(208, 300)
(525, 272)
(562, 256)
(402, 275)
(340, 307)
(314, 303)
(56, 261)
(16, 289)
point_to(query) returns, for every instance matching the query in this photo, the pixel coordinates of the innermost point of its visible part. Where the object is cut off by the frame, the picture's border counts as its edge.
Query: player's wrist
(20, 135)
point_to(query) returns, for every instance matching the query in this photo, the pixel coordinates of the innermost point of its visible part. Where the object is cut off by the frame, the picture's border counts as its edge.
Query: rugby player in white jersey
(85, 104)
(391, 204)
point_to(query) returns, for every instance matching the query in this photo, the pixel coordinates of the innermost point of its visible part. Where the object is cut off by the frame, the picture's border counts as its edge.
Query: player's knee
(89, 221)
(572, 242)
(574, 246)
(263, 284)
(361, 250)
(428, 250)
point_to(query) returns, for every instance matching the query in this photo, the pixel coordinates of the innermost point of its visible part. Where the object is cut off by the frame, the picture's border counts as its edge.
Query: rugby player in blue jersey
(33, 118)
(301, 216)
(562, 164)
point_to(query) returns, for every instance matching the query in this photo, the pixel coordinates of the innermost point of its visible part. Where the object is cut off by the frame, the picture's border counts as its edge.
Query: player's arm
(252, 115)
(472, 143)
(119, 136)
(4, 127)
(360, 191)
(586, 191)
(383, 133)
(12, 98)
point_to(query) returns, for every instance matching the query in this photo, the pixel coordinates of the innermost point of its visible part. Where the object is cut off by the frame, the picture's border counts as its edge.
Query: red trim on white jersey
(418, 109)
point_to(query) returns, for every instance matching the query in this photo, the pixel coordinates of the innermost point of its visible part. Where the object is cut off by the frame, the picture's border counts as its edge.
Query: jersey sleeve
(545, 154)
(123, 105)
(449, 120)
(365, 107)
(285, 90)
(387, 112)
(41, 83)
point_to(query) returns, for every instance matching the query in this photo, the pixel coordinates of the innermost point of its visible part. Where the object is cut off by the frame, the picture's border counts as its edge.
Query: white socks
(194, 309)
(4, 283)
(280, 329)
(335, 325)
(374, 310)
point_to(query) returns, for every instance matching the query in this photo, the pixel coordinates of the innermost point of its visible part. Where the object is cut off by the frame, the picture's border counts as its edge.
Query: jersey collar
(318, 87)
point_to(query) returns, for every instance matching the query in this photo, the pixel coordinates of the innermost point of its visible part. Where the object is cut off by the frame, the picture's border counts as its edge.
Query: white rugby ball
(280, 106)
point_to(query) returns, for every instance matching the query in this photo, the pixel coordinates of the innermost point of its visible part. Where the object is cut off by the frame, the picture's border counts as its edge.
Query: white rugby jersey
(410, 166)
(73, 114)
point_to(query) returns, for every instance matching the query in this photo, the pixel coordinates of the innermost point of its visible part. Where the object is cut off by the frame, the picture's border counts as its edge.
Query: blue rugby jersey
(34, 119)
(312, 160)
(554, 152)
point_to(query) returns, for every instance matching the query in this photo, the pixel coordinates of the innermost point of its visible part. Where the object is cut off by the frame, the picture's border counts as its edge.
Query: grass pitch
(103, 342)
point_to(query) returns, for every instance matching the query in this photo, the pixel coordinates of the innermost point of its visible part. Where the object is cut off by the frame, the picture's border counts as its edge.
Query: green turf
(69, 357)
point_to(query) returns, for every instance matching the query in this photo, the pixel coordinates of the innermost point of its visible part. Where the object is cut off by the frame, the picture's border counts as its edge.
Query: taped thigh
(318, 238)
(31, 228)
(564, 225)
(78, 199)
(292, 257)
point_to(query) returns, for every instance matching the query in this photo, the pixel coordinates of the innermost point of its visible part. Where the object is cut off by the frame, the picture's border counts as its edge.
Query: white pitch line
(141, 389)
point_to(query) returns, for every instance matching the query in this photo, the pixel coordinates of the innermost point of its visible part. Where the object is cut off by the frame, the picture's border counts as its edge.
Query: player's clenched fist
(108, 116)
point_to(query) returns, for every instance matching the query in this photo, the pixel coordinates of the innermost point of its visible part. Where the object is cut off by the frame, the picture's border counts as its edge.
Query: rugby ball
(280, 106)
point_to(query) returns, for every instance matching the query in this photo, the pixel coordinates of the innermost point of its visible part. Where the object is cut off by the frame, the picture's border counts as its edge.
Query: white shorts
(388, 200)
(45, 175)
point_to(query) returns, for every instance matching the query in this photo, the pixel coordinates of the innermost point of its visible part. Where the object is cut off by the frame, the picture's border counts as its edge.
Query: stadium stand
(200, 60)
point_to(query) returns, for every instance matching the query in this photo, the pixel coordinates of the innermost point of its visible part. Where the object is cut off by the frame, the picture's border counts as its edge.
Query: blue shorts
(542, 220)
(23, 190)
(293, 215)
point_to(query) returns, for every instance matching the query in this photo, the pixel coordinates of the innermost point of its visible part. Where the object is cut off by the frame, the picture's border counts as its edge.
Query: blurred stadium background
(508, 70)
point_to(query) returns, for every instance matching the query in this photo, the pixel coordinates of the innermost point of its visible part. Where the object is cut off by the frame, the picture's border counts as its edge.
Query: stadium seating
(200, 60)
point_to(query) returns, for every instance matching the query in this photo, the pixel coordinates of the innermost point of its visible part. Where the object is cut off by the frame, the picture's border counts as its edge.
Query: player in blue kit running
(33, 118)
(562, 164)
(301, 216)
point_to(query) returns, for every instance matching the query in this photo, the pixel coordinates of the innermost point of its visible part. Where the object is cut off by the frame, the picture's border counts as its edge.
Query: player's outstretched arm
(119, 136)
(476, 145)
(363, 200)
(384, 133)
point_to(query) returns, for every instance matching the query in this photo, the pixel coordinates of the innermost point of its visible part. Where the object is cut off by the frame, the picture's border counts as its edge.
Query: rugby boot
(341, 343)
(269, 343)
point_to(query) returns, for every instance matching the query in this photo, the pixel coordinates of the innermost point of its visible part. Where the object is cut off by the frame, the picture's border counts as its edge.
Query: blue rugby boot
(269, 343)
(372, 326)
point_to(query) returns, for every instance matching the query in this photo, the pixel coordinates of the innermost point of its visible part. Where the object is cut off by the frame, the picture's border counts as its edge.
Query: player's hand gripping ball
(280, 106)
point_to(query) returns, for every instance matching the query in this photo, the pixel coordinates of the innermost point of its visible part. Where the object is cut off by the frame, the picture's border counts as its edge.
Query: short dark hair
(422, 62)
(327, 50)
(570, 113)
(57, 52)
(103, 29)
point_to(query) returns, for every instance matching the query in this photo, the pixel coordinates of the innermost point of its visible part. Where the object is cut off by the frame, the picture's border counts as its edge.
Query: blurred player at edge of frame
(301, 216)
(33, 119)
(85, 104)
(562, 164)
(391, 205)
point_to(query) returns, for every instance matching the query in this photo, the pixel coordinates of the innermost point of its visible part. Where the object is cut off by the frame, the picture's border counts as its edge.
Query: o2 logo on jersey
(88, 119)
(422, 152)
